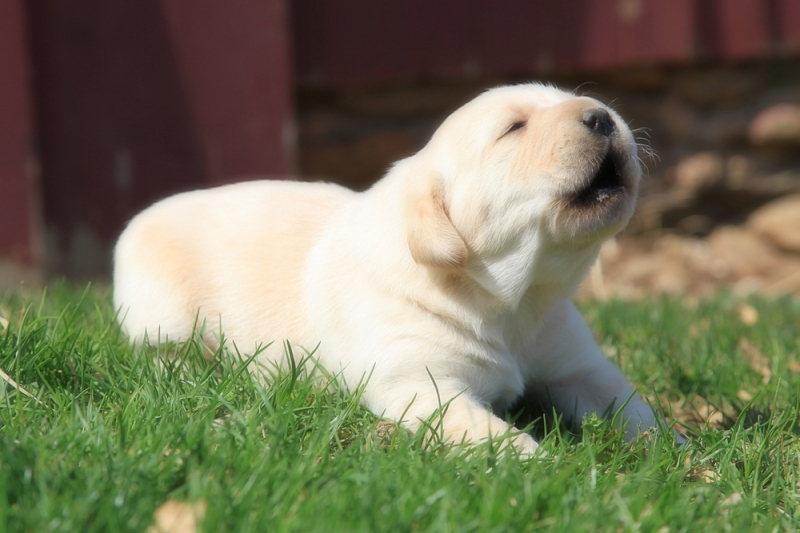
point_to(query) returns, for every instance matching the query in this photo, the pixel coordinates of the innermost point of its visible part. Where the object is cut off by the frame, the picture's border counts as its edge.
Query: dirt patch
(731, 257)
(13, 275)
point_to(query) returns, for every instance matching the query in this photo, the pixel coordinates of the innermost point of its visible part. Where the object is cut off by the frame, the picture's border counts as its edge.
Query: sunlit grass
(114, 431)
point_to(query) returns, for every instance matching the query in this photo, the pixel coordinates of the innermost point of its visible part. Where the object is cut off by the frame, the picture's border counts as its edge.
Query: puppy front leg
(578, 379)
(461, 418)
(600, 389)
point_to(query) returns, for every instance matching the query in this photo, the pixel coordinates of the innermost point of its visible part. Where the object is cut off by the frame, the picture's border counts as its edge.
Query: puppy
(446, 283)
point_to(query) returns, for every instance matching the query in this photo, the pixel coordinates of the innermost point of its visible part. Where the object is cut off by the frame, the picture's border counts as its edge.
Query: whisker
(575, 91)
(614, 105)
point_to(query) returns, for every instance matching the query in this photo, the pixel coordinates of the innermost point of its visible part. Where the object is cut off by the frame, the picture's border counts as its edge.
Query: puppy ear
(432, 238)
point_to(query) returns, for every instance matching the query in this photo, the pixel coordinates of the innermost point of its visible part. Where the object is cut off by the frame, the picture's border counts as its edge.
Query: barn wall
(113, 105)
(343, 43)
(17, 187)
(139, 99)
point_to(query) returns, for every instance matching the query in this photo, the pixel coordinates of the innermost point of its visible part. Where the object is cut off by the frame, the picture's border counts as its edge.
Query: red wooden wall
(139, 99)
(346, 42)
(136, 99)
(16, 181)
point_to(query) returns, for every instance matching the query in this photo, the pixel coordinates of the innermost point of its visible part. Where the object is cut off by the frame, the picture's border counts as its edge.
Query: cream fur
(458, 264)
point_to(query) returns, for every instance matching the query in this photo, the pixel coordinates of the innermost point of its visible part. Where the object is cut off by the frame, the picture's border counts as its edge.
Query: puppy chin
(602, 203)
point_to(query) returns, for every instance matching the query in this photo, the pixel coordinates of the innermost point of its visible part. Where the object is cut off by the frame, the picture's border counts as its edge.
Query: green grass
(114, 432)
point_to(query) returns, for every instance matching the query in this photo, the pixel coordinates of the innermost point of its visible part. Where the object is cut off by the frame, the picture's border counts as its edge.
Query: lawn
(111, 433)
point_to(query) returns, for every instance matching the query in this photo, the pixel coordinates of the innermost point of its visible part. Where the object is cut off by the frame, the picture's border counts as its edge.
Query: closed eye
(514, 127)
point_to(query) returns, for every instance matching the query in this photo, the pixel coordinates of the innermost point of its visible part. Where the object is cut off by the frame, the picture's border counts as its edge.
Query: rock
(776, 125)
(696, 225)
(739, 171)
(678, 122)
(650, 211)
(779, 221)
(734, 257)
(701, 171)
(743, 251)
(725, 128)
(178, 517)
(748, 315)
(786, 282)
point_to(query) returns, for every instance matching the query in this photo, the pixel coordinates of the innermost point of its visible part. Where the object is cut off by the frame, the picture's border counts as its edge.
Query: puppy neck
(531, 264)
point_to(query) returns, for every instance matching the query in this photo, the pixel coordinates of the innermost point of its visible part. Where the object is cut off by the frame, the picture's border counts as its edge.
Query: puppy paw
(527, 447)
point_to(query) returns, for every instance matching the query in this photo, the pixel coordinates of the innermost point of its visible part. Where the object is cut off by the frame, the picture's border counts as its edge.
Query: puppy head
(524, 160)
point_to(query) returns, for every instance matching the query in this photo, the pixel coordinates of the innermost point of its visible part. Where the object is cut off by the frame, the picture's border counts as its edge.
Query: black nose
(599, 121)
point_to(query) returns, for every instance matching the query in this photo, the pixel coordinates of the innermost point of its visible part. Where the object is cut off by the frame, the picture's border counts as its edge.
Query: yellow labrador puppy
(458, 266)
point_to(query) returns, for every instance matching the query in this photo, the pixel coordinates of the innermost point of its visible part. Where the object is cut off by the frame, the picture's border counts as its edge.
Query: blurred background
(109, 105)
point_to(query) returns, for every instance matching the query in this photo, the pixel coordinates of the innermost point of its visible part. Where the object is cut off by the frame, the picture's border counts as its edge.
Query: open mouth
(606, 184)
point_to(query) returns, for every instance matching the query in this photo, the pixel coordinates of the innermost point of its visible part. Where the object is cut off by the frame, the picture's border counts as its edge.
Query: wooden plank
(138, 99)
(115, 132)
(653, 31)
(233, 60)
(579, 34)
(734, 29)
(786, 23)
(518, 37)
(352, 42)
(364, 41)
(17, 241)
